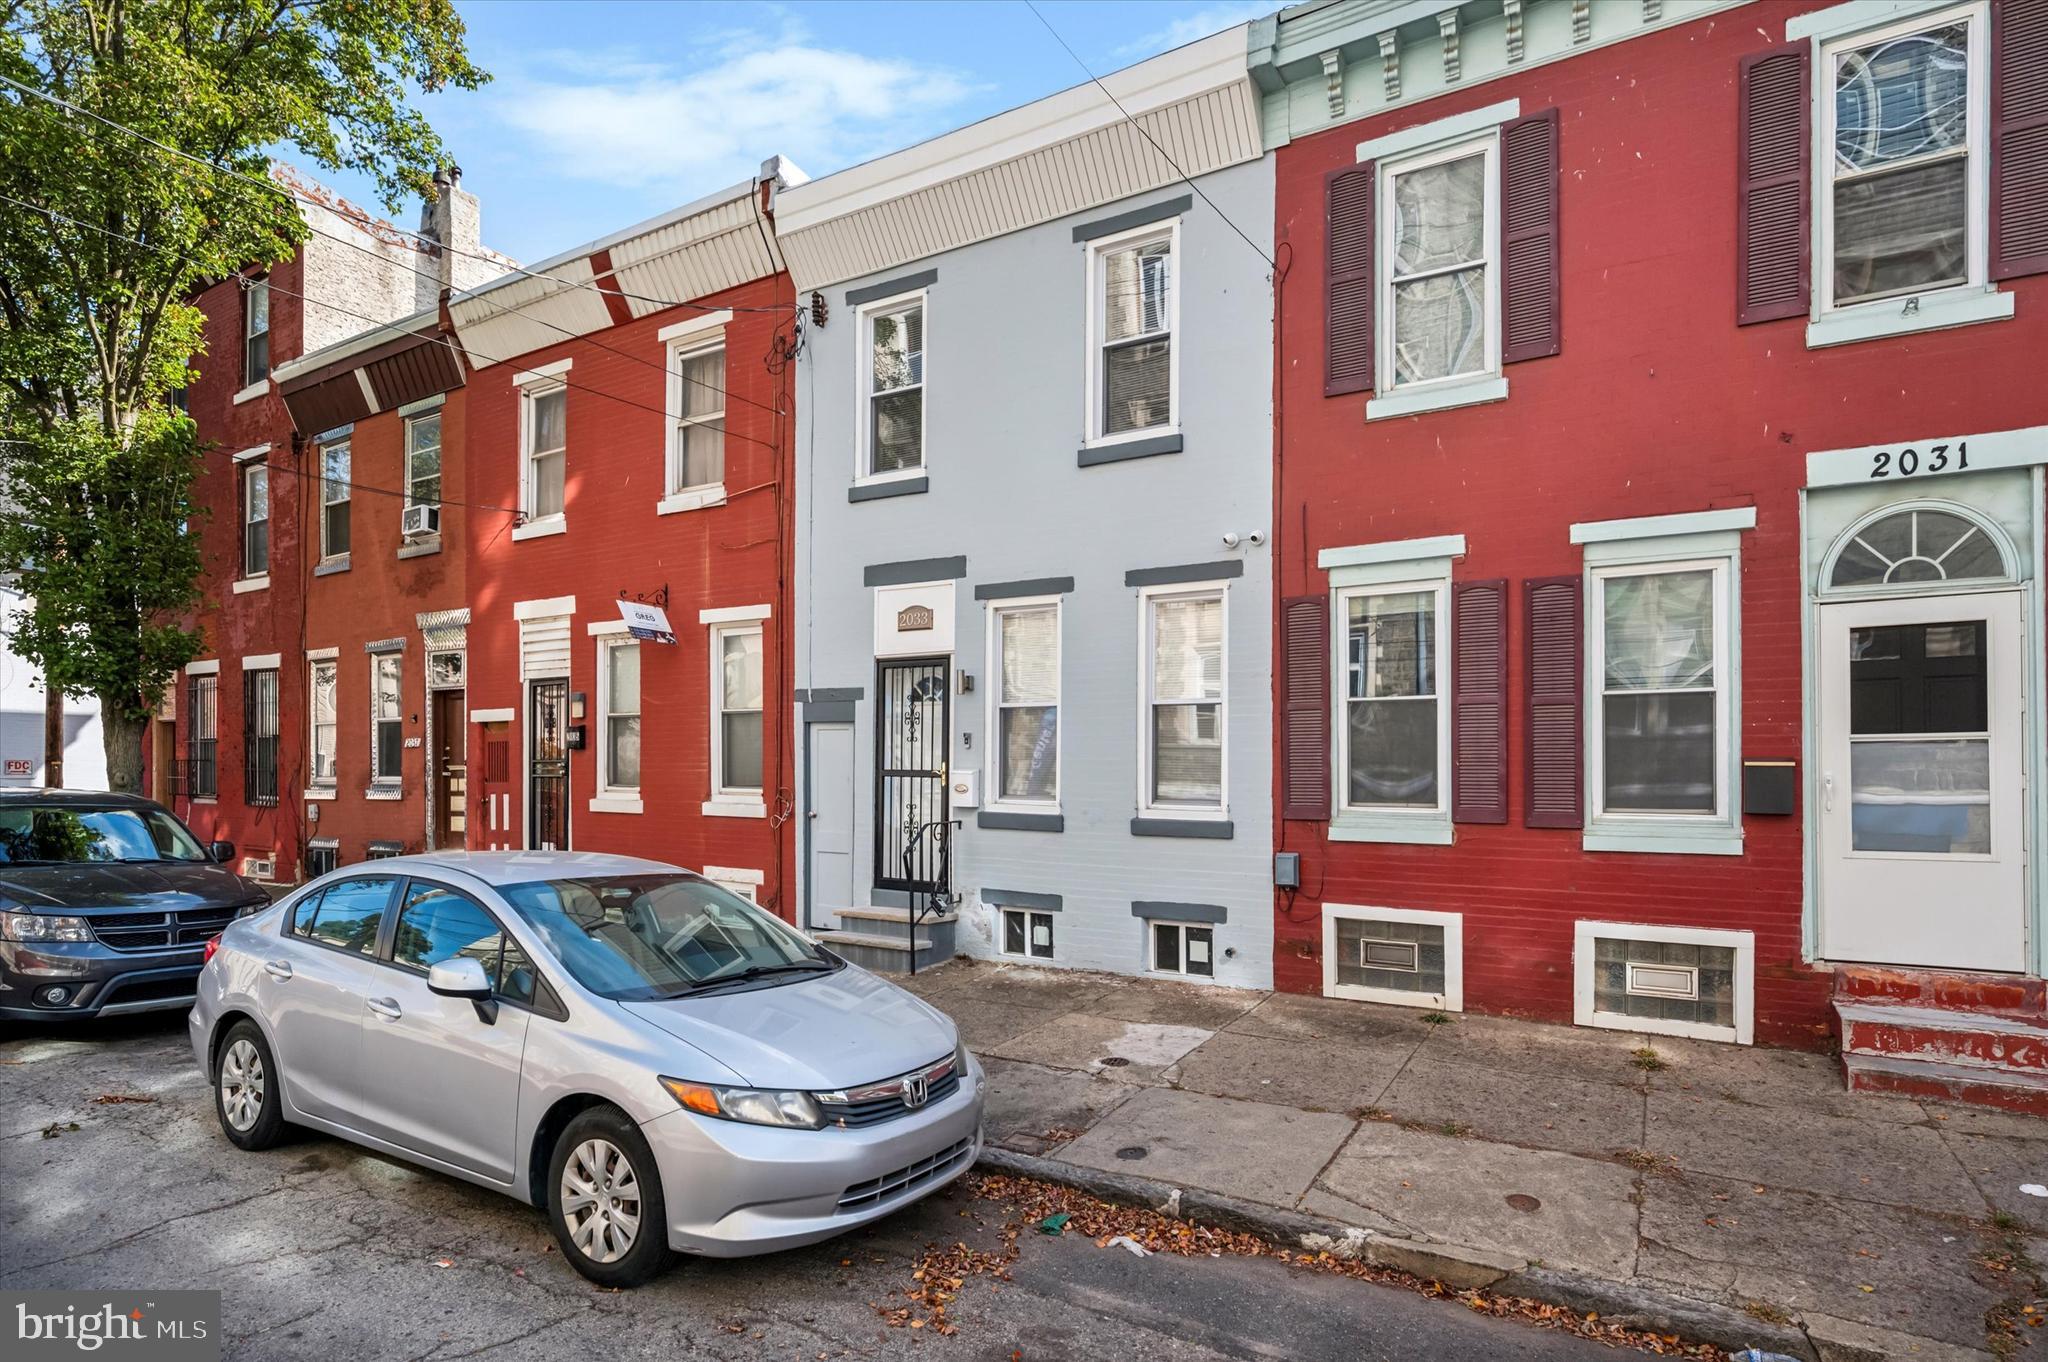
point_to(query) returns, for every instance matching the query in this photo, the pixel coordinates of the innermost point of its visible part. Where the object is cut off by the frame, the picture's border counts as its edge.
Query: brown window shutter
(1305, 708)
(1772, 199)
(1529, 294)
(1347, 222)
(2019, 138)
(1555, 624)
(1479, 702)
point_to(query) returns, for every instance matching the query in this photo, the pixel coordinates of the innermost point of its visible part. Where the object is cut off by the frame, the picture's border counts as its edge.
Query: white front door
(830, 815)
(1922, 781)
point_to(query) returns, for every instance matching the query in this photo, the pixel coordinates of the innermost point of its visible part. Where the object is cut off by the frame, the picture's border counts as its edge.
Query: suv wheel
(245, 1089)
(605, 1201)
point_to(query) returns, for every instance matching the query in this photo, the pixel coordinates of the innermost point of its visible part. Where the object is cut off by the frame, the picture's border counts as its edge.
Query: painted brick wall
(1658, 403)
(729, 555)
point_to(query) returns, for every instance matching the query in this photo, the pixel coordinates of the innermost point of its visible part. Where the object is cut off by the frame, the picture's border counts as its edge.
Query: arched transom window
(1918, 545)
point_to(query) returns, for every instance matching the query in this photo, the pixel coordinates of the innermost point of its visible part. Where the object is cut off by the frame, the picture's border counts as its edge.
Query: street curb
(1452, 1264)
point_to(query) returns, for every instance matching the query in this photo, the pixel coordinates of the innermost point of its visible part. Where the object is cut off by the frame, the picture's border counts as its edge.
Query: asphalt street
(323, 1250)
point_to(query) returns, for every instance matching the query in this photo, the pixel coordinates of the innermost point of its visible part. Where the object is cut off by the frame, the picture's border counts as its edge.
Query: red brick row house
(1659, 507)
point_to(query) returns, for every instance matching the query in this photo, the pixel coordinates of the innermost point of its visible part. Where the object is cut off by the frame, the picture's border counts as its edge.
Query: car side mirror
(220, 852)
(462, 976)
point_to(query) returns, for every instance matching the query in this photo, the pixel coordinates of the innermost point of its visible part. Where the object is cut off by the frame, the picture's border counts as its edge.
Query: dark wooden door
(547, 783)
(451, 769)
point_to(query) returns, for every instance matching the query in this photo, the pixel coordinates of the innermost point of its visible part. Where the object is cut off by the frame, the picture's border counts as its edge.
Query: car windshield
(635, 937)
(62, 834)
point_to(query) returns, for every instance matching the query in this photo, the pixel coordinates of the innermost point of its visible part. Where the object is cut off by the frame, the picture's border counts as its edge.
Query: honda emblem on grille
(916, 1088)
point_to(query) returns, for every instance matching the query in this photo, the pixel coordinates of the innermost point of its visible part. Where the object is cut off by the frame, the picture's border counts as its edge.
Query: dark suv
(106, 904)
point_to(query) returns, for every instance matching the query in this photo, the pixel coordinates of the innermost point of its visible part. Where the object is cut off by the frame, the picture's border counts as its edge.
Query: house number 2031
(1905, 463)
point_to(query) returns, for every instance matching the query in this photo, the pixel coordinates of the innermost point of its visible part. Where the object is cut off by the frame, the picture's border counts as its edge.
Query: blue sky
(603, 113)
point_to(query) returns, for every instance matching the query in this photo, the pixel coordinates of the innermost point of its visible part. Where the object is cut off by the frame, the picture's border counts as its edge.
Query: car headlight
(960, 1059)
(252, 908)
(43, 927)
(754, 1106)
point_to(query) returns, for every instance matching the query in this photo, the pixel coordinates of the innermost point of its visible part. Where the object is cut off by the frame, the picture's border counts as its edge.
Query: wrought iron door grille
(913, 727)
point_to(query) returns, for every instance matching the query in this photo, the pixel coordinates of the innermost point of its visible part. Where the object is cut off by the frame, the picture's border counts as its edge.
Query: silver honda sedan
(658, 1064)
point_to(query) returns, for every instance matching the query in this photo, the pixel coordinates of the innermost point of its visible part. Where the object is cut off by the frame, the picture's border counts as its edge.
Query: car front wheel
(605, 1200)
(245, 1089)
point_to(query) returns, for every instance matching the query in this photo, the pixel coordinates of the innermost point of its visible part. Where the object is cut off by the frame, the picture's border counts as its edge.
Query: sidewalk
(1743, 1178)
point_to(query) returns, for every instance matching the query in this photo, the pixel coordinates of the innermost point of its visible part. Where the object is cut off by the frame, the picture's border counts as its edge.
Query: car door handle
(387, 1008)
(278, 969)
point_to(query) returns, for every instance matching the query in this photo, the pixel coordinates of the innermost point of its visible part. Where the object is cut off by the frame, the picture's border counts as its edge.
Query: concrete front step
(1968, 1040)
(899, 916)
(2003, 995)
(2024, 1091)
(885, 953)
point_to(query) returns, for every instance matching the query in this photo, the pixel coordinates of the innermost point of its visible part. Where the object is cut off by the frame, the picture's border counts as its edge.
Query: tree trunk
(53, 738)
(124, 747)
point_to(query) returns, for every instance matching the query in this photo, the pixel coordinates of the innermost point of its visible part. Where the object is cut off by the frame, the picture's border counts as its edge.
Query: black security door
(547, 786)
(912, 731)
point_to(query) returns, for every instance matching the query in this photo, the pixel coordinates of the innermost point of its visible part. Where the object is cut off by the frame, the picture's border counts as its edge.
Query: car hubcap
(241, 1085)
(600, 1201)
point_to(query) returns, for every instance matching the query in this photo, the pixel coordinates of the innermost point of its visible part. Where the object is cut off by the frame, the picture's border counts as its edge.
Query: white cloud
(1196, 24)
(624, 120)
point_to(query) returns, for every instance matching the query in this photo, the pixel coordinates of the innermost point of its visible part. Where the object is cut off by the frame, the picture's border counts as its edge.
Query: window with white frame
(1672, 981)
(255, 520)
(1183, 948)
(1026, 639)
(736, 710)
(546, 436)
(892, 387)
(1393, 732)
(324, 675)
(1660, 653)
(1903, 195)
(335, 488)
(255, 331)
(618, 689)
(1405, 956)
(697, 441)
(1135, 309)
(1439, 305)
(1183, 703)
(387, 719)
(423, 459)
(1028, 933)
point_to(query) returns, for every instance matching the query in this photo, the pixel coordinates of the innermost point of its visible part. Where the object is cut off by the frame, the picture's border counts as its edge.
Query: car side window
(439, 924)
(349, 915)
(518, 980)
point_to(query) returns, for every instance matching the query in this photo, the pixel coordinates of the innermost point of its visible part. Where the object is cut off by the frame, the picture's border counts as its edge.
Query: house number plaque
(912, 618)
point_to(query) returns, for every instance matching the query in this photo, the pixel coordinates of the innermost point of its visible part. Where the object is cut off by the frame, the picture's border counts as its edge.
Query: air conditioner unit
(421, 520)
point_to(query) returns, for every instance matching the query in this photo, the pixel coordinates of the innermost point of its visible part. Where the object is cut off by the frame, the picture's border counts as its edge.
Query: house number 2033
(1905, 463)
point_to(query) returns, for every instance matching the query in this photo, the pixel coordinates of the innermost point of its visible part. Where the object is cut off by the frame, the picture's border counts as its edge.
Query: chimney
(453, 221)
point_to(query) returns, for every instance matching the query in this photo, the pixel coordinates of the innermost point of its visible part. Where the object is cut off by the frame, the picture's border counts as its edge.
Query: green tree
(104, 242)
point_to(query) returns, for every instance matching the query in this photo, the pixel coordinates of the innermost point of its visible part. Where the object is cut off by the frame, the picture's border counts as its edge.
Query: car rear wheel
(605, 1200)
(245, 1090)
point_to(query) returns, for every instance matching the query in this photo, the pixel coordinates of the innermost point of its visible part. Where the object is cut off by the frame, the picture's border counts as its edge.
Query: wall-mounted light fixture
(576, 704)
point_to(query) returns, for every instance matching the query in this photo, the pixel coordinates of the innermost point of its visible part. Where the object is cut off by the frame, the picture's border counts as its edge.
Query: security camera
(1230, 539)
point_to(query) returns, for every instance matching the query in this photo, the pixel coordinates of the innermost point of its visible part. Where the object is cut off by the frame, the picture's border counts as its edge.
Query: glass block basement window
(1403, 957)
(1664, 981)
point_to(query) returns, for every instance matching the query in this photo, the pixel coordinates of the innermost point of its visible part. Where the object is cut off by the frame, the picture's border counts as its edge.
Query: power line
(286, 192)
(1146, 135)
(398, 326)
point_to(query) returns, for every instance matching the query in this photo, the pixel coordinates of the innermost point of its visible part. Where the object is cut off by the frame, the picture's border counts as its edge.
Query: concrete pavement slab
(1538, 1047)
(1999, 1168)
(1031, 986)
(1539, 1110)
(2009, 1125)
(1295, 1016)
(1031, 1108)
(1864, 1160)
(1160, 1000)
(1784, 1080)
(1440, 1187)
(1883, 1266)
(986, 1022)
(1315, 1075)
(1245, 1149)
(1129, 1052)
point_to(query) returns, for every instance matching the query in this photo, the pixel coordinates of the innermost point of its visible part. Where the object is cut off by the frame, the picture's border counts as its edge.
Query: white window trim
(210, 667)
(1976, 299)
(1003, 910)
(1147, 596)
(317, 788)
(610, 797)
(992, 717)
(241, 586)
(863, 393)
(381, 780)
(1487, 385)
(682, 343)
(532, 386)
(734, 614)
(1152, 965)
(1585, 932)
(1098, 250)
(1430, 827)
(1452, 999)
(730, 802)
(252, 392)
(328, 554)
(408, 421)
(1719, 833)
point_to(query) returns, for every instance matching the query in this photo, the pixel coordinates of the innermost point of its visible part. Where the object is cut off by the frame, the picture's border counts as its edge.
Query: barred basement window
(1408, 957)
(201, 741)
(1665, 980)
(1027, 933)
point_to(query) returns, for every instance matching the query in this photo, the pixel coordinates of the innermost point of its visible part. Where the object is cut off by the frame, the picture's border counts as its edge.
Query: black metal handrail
(938, 893)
